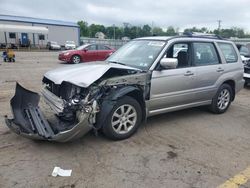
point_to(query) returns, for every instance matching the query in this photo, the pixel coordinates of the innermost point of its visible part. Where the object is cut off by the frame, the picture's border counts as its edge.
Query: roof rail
(202, 35)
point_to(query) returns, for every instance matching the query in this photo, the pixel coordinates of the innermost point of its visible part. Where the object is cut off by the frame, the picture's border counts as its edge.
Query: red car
(86, 53)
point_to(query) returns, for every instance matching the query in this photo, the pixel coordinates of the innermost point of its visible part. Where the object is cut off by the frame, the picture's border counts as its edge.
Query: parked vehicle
(86, 53)
(139, 80)
(52, 45)
(70, 45)
(245, 56)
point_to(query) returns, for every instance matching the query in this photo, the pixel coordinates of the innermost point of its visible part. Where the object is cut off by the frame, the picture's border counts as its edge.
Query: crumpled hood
(83, 74)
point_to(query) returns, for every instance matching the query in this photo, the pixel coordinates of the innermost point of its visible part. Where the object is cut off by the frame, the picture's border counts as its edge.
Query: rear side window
(205, 54)
(102, 47)
(92, 47)
(228, 52)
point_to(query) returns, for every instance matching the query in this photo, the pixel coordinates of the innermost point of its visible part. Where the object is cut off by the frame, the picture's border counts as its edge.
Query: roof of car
(166, 38)
(157, 38)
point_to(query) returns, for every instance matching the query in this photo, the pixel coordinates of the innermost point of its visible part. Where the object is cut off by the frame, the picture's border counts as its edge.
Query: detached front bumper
(30, 122)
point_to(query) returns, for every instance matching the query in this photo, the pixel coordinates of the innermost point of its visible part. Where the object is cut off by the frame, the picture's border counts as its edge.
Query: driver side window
(92, 47)
(180, 51)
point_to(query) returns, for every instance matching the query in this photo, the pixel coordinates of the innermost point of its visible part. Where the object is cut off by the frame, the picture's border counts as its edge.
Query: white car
(70, 45)
(52, 45)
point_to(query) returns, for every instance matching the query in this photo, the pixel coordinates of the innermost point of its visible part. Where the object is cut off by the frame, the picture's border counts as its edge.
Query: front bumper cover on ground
(30, 122)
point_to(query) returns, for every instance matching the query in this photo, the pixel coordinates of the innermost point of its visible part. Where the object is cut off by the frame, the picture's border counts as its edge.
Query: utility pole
(114, 30)
(219, 25)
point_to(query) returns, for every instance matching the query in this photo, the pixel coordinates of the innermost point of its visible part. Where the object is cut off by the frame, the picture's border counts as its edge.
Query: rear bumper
(30, 122)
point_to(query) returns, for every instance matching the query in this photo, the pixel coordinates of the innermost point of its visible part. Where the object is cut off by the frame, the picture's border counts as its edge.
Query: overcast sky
(161, 13)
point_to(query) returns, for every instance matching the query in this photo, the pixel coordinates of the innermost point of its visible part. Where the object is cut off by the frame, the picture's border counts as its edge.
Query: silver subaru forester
(145, 77)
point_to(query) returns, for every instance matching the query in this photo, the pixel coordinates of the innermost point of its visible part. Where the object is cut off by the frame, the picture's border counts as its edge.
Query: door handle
(220, 69)
(188, 73)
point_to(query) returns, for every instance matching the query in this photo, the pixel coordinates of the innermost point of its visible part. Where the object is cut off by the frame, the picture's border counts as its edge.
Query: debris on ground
(60, 172)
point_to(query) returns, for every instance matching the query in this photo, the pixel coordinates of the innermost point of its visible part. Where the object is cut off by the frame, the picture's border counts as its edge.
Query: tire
(75, 59)
(120, 122)
(245, 84)
(222, 99)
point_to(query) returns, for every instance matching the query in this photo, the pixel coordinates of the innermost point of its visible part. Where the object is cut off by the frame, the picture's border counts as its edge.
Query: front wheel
(75, 59)
(124, 119)
(222, 99)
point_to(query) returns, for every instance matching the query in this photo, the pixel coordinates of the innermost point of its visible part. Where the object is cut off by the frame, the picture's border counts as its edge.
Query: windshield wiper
(116, 62)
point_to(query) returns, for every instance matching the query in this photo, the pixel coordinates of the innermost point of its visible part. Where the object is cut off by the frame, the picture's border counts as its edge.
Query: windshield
(138, 53)
(52, 42)
(82, 47)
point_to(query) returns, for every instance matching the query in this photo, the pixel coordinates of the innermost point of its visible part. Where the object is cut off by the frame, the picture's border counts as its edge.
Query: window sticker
(156, 43)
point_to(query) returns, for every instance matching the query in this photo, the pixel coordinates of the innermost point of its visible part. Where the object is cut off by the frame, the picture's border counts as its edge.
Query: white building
(36, 32)
(100, 35)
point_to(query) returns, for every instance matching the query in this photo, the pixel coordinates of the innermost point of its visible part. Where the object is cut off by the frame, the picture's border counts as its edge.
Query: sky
(160, 13)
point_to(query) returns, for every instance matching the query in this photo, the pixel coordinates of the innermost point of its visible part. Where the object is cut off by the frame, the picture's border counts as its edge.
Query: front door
(173, 87)
(24, 39)
(90, 53)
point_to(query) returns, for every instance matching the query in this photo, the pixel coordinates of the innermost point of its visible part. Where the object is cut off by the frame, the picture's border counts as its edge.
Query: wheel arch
(109, 101)
(231, 83)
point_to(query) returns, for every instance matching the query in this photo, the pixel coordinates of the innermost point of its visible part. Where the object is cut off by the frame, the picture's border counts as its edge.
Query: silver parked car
(143, 78)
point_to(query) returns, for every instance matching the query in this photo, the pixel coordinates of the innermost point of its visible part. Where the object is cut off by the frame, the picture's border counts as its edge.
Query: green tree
(146, 30)
(84, 30)
(94, 28)
(171, 31)
(158, 31)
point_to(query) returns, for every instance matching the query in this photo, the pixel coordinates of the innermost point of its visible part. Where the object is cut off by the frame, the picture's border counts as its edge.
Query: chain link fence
(114, 43)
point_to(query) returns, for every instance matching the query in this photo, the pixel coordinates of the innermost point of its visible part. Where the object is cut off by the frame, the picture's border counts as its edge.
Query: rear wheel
(75, 59)
(222, 99)
(124, 119)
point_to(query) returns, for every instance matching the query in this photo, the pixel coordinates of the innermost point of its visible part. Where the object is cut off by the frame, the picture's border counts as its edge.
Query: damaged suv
(145, 77)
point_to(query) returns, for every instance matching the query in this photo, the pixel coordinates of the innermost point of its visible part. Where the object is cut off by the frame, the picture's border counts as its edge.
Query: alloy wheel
(124, 119)
(76, 59)
(223, 99)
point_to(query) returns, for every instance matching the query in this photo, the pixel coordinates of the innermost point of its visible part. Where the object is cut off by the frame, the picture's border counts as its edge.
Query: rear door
(103, 52)
(209, 69)
(90, 53)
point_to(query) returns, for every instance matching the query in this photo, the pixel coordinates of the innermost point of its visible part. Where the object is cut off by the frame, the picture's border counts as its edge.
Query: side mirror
(85, 49)
(169, 63)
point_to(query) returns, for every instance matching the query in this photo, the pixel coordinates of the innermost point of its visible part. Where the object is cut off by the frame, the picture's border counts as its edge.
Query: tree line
(130, 31)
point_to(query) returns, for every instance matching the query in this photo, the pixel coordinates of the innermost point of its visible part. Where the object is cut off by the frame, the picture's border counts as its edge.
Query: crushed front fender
(29, 121)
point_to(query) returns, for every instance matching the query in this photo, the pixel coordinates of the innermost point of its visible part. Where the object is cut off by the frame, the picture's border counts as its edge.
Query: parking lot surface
(190, 148)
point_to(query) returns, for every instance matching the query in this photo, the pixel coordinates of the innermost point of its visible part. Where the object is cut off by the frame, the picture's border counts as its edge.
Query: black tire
(215, 105)
(245, 84)
(75, 59)
(109, 130)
